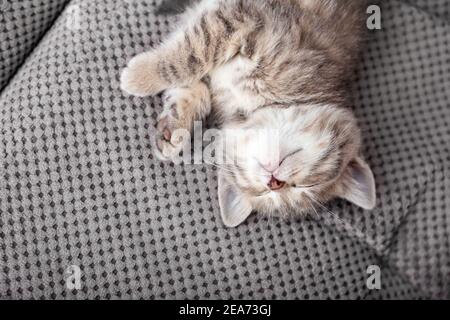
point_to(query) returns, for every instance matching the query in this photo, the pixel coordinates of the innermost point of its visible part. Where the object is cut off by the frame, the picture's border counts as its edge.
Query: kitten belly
(231, 89)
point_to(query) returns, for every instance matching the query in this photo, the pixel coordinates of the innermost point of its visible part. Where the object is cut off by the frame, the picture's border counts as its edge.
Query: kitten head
(281, 161)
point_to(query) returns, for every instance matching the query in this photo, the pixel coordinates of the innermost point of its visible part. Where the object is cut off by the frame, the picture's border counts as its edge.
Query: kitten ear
(358, 185)
(234, 208)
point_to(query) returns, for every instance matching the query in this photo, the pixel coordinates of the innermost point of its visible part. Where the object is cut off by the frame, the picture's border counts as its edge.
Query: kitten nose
(275, 184)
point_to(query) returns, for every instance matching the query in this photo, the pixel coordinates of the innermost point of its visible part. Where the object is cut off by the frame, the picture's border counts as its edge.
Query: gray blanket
(81, 190)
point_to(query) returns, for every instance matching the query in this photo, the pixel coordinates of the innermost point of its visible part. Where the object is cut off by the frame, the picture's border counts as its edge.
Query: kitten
(270, 65)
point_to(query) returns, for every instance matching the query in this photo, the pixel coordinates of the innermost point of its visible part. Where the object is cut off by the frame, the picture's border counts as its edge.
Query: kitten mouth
(275, 184)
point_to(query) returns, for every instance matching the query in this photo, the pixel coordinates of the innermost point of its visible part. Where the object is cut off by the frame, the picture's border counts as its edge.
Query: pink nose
(275, 184)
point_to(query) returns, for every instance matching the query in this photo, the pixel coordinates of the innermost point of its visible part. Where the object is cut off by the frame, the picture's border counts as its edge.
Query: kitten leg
(209, 40)
(182, 106)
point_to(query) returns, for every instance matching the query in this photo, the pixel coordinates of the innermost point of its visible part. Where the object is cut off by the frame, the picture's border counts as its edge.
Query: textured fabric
(22, 24)
(439, 8)
(79, 184)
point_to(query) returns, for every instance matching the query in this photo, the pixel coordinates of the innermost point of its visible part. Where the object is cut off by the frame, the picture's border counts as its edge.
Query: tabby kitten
(271, 65)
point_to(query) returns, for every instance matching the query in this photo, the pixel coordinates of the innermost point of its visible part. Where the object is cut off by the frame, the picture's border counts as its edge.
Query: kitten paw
(140, 77)
(172, 127)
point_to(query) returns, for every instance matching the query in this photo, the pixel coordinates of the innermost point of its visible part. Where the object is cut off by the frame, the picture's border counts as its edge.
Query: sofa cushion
(80, 185)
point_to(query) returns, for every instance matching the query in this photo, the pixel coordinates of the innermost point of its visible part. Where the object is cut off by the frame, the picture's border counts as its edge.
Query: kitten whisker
(344, 223)
(312, 206)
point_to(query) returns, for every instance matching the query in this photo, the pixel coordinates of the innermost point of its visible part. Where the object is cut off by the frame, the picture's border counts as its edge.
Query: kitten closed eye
(304, 186)
(291, 154)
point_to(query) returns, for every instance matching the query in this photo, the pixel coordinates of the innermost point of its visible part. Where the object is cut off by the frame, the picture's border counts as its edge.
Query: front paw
(172, 129)
(140, 77)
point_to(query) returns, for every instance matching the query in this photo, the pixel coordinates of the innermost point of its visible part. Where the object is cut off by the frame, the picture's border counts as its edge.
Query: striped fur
(283, 64)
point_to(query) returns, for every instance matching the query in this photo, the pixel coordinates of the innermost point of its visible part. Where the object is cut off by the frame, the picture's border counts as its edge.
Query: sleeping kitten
(273, 65)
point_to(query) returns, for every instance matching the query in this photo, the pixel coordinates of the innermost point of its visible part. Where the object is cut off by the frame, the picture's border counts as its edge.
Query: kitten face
(290, 160)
